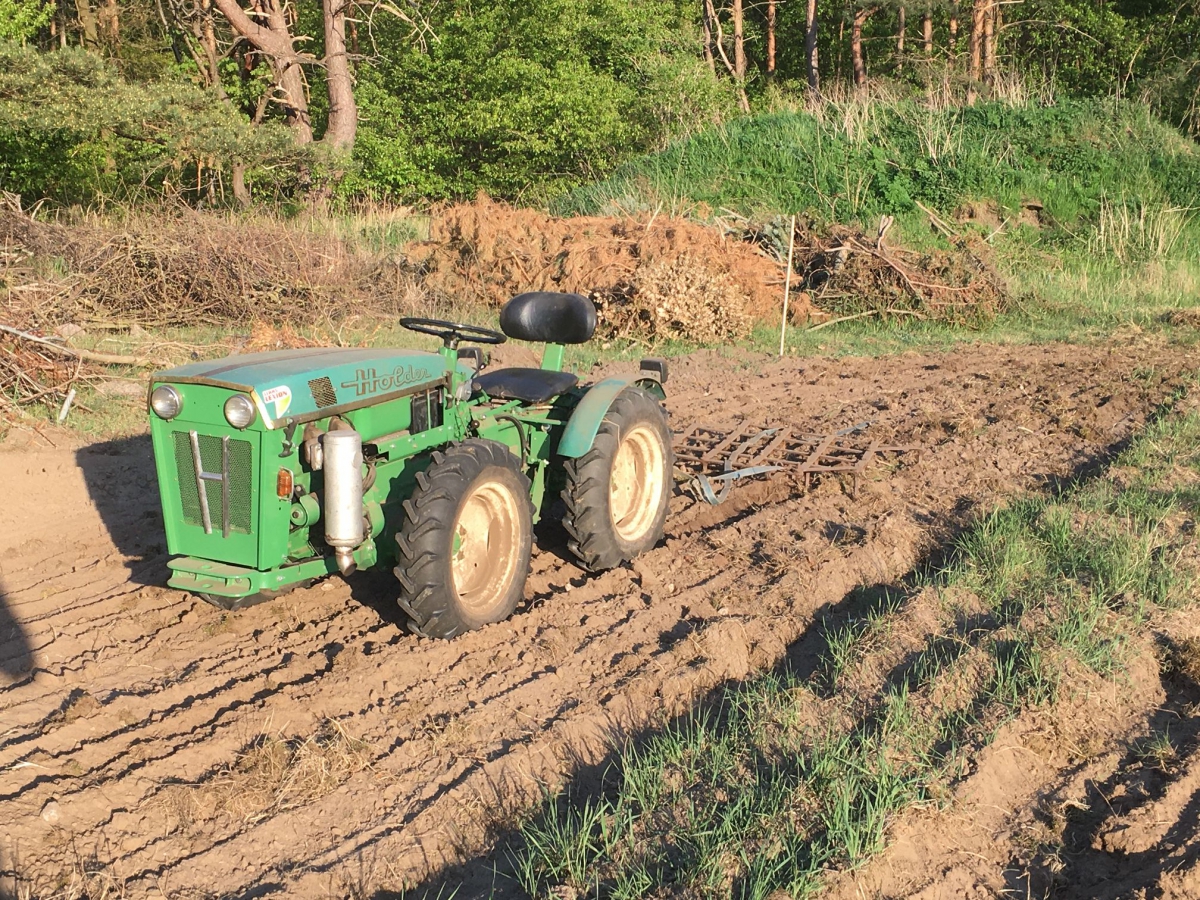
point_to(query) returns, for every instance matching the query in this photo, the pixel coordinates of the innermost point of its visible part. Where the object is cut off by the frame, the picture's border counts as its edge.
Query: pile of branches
(181, 268)
(28, 376)
(32, 372)
(38, 370)
(680, 299)
(848, 274)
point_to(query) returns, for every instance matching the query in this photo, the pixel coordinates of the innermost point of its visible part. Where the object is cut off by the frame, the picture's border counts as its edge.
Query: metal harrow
(716, 459)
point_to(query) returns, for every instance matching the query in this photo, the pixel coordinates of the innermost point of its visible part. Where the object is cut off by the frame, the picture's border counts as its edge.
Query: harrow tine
(747, 451)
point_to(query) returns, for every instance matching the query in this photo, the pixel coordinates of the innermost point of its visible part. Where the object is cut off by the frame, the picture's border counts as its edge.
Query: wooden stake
(787, 286)
(66, 407)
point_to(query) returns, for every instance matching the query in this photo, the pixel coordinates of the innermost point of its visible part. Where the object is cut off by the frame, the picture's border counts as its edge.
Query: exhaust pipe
(343, 495)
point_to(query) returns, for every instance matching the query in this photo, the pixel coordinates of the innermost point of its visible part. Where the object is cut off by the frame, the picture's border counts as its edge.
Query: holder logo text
(369, 381)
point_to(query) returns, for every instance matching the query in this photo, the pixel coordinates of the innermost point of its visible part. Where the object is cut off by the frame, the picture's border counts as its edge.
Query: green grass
(864, 157)
(779, 780)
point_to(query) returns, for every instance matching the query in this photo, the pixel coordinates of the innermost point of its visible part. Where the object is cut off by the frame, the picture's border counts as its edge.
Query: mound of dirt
(488, 251)
(649, 277)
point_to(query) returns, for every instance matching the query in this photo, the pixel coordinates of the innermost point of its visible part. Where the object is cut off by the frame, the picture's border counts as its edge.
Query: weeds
(871, 155)
(273, 773)
(772, 784)
(1157, 751)
(1136, 231)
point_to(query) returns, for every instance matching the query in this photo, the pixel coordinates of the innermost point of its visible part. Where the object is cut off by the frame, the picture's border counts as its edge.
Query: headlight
(239, 411)
(166, 402)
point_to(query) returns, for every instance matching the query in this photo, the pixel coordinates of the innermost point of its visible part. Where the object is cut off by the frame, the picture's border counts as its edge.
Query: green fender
(585, 422)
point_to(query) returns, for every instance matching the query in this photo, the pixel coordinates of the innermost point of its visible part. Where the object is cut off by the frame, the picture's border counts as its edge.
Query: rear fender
(585, 421)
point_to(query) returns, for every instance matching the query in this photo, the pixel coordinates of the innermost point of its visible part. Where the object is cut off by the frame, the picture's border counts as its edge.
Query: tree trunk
(241, 193)
(856, 49)
(927, 31)
(810, 46)
(975, 63)
(110, 20)
(90, 38)
(953, 29)
(739, 44)
(841, 45)
(343, 113)
(112, 23)
(901, 26)
(204, 28)
(274, 40)
(770, 39)
(989, 41)
(706, 13)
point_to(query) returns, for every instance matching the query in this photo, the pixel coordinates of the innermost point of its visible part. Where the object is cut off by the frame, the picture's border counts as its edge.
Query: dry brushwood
(852, 276)
(182, 268)
(36, 369)
(108, 359)
(29, 375)
(677, 299)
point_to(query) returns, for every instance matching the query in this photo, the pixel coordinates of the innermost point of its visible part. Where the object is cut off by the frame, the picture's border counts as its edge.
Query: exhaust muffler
(343, 495)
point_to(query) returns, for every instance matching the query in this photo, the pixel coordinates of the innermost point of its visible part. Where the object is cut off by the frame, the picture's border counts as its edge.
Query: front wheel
(466, 539)
(617, 493)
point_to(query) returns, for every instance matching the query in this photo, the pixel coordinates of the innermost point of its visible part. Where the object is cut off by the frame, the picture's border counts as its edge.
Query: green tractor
(279, 468)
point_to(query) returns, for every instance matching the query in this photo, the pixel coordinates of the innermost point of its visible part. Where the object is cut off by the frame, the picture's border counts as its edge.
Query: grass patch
(271, 774)
(781, 779)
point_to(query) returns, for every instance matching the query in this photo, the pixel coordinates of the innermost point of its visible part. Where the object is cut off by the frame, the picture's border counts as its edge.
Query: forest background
(228, 102)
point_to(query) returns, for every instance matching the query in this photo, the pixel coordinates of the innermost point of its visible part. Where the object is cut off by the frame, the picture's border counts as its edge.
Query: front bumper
(205, 576)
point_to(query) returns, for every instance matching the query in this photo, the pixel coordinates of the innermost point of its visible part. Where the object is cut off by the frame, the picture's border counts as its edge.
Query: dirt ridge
(139, 694)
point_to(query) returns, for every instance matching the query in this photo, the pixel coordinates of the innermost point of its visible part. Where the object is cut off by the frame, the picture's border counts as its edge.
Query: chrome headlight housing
(166, 402)
(239, 411)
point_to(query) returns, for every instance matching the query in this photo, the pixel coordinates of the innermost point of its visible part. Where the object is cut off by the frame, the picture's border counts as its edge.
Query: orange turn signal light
(284, 484)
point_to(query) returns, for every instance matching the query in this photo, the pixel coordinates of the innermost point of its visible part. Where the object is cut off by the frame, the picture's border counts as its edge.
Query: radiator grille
(240, 475)
(322, 392)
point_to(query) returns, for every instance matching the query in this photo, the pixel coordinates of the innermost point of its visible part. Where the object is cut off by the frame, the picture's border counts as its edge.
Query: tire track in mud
(137, 689)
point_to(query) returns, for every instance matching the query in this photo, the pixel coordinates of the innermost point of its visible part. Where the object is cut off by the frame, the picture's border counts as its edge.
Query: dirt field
(311, 747)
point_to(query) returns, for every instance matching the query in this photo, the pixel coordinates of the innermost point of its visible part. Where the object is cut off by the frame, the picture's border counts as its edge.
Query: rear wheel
(617, 493)
(466, 539)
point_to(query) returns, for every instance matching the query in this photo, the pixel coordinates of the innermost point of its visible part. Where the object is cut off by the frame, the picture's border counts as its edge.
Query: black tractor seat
(545, 317)
(530, 385)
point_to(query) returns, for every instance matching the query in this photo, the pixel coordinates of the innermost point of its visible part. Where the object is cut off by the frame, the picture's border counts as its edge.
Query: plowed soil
(128, 710)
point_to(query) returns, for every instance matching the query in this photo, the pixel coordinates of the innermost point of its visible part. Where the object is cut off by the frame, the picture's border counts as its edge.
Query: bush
(520, 99)
(72, 129)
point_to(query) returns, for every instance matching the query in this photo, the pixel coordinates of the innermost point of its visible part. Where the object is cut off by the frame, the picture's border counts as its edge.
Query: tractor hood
(314, 382)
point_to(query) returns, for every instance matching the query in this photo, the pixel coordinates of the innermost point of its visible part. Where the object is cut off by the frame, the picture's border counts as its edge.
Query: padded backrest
(548, 317)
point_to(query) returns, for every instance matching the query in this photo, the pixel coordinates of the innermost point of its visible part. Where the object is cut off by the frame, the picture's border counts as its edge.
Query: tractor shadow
(550, 537)
(16, 654)
(377, 589)
(123, 487)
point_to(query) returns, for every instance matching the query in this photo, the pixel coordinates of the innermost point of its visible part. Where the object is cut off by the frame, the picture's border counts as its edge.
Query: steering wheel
(453, 332)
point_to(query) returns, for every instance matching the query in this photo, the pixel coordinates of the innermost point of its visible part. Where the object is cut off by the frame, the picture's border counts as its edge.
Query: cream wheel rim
(486, 546)
(635, 489)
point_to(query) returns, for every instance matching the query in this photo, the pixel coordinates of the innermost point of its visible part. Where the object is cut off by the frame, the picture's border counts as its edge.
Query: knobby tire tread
(424, 538)
(589, 528)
